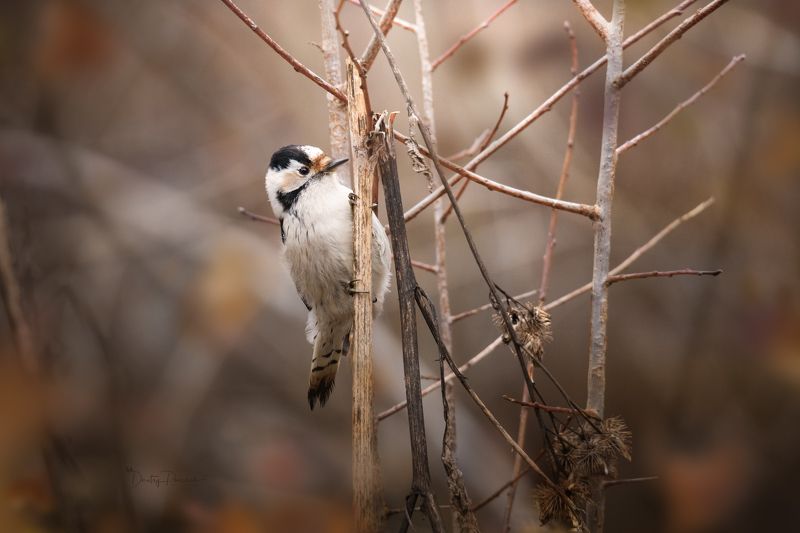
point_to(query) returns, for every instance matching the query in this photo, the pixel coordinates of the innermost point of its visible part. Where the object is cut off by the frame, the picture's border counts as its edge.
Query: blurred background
(171, 337)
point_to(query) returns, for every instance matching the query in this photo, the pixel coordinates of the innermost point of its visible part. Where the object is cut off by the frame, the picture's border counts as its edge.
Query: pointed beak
(333, 164)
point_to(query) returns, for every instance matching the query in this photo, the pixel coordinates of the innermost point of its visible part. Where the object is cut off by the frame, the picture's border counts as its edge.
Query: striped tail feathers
(329, 345)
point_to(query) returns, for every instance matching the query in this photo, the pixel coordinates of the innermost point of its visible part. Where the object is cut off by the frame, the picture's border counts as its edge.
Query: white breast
(319, 250)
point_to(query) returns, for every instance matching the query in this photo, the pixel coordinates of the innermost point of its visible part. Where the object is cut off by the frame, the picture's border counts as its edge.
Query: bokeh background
(171, 337)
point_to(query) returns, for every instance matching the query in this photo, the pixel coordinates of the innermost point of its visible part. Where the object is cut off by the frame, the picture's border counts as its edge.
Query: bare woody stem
(596, 383)
(406, 285)
(605, 195)
(367, 500)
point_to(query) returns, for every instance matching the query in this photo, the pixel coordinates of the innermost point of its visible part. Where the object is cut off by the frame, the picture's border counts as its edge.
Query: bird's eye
(303, 171)
(514, 319)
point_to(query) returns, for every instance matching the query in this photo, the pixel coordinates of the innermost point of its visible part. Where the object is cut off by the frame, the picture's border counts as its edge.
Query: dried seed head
(586, 452)
(531, 326)
(565, 506)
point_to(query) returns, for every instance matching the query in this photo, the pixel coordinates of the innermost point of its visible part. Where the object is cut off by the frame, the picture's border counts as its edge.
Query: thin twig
(662, 45)
(257, 217)
(545, 407)
(659, 274)
(593, 17)
(484, 143)
(298, 66)
(469, 35)
(680, 107)
(572, 207)
(626, 481)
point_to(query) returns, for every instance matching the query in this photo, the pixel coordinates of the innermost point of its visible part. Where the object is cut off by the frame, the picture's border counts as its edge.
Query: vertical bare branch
(596, 385)
(406, 287)
(337, 111)
(367, 501)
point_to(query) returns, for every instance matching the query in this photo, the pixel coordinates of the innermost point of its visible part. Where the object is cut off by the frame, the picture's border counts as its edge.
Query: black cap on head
(283, 156)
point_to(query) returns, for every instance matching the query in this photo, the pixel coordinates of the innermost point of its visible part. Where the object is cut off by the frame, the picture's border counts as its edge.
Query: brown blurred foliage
(173, 390)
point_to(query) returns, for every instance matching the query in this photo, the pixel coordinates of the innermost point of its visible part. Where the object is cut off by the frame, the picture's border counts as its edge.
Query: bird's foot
(350, 287)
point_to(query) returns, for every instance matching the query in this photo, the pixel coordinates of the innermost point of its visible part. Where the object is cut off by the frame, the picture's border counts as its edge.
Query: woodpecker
(316, 220)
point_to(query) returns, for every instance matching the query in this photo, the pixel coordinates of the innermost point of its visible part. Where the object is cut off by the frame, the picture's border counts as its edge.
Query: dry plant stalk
(367, 499)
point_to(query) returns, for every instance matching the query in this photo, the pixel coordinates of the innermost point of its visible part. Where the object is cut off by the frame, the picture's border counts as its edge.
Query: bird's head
(291, 168)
